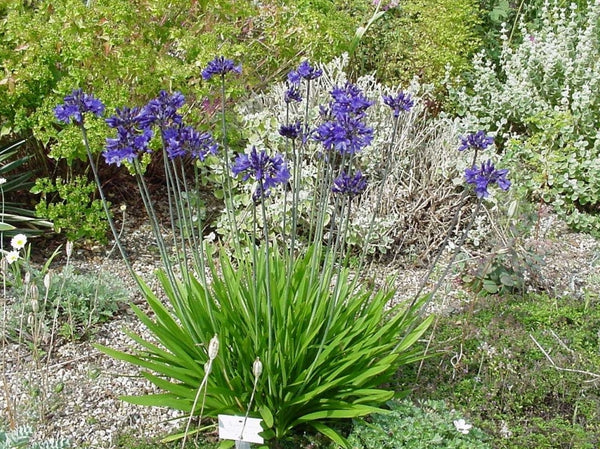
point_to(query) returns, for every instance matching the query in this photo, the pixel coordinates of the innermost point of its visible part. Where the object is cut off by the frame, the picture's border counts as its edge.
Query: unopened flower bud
(47, 281)
(34, 293)
(69, 248)
(27, 278)
(213, 347)
(257, 368)
(35, 305)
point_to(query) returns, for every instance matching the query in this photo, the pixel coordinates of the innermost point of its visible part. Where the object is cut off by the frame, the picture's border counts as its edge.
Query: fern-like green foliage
(20, 438)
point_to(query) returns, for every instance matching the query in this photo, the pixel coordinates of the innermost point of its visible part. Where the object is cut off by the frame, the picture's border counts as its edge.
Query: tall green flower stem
(111, 223)
(228, 194)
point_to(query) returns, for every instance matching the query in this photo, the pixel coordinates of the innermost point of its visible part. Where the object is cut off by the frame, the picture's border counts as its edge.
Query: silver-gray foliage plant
(543, 102)
(424, 167)
(21, 438)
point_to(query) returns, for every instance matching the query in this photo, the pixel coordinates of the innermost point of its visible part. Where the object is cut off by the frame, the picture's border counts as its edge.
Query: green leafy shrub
(21, 438)
(421, 38)
(543, 102)
(69, 206)
(426, 424)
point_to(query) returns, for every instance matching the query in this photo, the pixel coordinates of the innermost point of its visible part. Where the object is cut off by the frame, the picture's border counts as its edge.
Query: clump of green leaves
(69, 303)
(426, 424)
(15, 217)
(302, 383)
(71, 208)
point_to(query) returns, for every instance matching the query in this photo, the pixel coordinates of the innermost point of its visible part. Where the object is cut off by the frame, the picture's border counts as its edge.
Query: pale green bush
(543, 102)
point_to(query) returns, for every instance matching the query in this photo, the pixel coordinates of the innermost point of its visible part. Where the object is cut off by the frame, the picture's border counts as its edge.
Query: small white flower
(462, 426)
(12, 256)
(18, 241)
(2, 181)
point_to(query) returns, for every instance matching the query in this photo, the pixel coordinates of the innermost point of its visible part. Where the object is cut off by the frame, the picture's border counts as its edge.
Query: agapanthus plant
(326, 340)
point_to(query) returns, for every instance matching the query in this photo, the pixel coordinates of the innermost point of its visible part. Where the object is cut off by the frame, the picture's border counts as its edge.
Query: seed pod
(213, 347)
(257, 368)
(69, 248)
(34, 292)
(47, 281)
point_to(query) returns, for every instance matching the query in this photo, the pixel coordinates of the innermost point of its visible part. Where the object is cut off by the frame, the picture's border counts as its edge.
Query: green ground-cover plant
(491, 367)
(542, 101)
(20, 438)
(306, 341)
(426, 424)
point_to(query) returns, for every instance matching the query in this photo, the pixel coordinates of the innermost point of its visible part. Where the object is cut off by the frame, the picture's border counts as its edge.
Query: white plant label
(233, 428)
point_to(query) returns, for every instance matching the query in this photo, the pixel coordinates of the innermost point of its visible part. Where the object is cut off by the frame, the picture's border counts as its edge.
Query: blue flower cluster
(346, 184)
(135, 130)
(344, 128)
(304, 71)
(75, 105)
(292, 131)
(477, 141)
(134, 133)
(185, 140)
(401, 102)
(267, 171)
(221, 67)
(485, 175)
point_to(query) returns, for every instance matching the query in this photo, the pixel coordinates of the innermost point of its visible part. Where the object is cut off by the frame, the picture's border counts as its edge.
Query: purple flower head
(133, 135)
(127, 145)
(163, 109)
(75, 105)
(294, 78)
(185, 140)
(267, 171)
(347, 135)
(349, 100)
(399, 103)
(292, 94)
(220, 66)
(485, 175)
(306, 71)
(292, 131)
(477, 141)
(349, 185)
